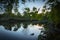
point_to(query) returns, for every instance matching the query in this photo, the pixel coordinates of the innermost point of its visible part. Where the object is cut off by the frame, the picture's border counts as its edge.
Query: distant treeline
(27, 15)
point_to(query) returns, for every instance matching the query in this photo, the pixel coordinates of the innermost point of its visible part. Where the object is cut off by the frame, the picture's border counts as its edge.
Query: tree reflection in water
(8, 26)
(16, 26)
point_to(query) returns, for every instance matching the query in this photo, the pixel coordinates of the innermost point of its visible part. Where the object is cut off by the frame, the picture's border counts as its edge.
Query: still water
(20, 31)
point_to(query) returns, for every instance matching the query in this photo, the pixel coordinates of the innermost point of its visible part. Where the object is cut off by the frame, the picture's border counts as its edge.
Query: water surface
(20, 31)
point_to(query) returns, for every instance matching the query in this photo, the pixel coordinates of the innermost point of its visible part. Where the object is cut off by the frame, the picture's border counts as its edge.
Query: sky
(38, 4)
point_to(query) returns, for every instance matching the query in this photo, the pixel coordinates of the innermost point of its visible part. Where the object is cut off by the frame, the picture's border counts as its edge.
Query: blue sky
(37, 4)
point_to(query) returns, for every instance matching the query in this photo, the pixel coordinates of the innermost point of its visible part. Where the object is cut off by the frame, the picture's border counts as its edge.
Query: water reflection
(20, 31)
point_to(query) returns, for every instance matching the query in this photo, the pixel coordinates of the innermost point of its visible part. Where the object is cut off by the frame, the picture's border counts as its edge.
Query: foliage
(53, 23)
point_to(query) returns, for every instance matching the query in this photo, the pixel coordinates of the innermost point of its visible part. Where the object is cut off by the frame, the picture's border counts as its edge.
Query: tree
(53, 17)
(8, 5)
